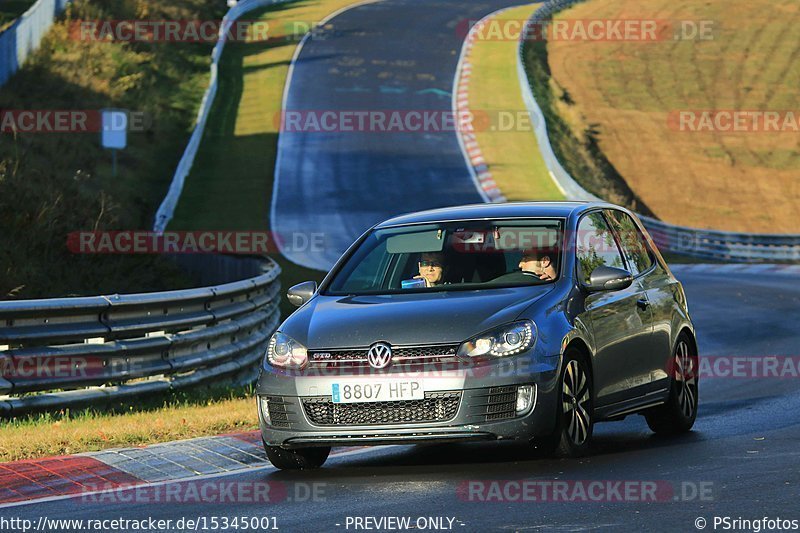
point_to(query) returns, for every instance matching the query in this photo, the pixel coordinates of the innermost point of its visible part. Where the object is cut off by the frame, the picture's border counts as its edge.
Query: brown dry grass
(182, 418)
(625, 91)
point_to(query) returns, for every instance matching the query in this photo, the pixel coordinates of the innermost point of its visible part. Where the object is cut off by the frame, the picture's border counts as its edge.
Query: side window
(633, 244)
(596, 246)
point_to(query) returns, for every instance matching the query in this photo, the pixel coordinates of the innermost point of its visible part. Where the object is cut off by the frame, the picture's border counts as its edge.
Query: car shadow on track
(501, 460)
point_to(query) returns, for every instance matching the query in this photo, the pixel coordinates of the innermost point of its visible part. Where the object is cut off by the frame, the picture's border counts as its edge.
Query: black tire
(679, 412)
(574, 410)
(300, 459)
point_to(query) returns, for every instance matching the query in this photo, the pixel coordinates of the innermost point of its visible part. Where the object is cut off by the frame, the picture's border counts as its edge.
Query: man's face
(534, 264)
(431, 269)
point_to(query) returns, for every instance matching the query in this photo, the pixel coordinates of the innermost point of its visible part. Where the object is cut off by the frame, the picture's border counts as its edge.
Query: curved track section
(393, 55)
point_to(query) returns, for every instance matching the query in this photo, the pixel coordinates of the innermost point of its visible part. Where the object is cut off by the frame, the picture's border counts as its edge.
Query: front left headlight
(285, 352)
(506, 340)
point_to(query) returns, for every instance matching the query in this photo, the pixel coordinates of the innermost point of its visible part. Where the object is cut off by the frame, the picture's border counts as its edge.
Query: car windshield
(452, 256)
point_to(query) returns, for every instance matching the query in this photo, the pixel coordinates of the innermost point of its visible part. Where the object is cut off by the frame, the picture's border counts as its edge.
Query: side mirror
(605, 278)
(301, 293)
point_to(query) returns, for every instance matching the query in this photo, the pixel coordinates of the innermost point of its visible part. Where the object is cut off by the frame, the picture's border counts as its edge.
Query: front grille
(354, 358)
(502, 403)
(435, 407)
(415, 352)
(278, 415)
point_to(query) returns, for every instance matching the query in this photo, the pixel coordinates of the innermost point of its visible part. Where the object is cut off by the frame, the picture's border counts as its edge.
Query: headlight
(285, 352)
(500, 342)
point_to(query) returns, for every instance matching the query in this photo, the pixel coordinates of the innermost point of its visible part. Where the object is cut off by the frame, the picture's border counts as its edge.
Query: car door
(621, 321)
(658, 285)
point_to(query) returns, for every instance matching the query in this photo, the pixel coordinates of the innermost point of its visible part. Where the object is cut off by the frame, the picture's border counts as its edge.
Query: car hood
(329, 322)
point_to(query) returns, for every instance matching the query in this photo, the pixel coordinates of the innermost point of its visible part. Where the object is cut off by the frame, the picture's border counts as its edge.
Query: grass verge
(179, 415)
(511, 153)
(615, 99)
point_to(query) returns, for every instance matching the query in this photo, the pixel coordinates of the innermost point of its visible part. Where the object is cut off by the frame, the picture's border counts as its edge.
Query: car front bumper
(294, 404)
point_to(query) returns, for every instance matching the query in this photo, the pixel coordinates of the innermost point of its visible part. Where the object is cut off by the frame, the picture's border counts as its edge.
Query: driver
(431, 268)
(538, 262)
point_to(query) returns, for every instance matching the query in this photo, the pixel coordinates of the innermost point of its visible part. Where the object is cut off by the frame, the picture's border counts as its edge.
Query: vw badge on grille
(379, 355)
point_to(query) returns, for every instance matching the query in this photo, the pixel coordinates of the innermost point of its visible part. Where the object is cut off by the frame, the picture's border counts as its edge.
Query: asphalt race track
(741, 460)
(394, 55)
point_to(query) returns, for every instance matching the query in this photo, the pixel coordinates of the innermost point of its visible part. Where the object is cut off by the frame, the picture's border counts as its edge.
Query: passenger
(431, 269)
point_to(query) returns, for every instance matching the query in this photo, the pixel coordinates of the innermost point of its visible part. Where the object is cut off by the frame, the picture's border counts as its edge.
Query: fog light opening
(526, 396)
(264, 408)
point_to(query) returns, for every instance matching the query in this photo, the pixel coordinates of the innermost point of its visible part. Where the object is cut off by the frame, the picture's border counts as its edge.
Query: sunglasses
(434, 264)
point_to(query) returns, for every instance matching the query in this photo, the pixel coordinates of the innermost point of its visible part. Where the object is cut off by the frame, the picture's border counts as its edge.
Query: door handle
(643, 303)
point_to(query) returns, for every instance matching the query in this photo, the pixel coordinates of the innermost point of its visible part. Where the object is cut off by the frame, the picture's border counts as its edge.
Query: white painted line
(558, 183)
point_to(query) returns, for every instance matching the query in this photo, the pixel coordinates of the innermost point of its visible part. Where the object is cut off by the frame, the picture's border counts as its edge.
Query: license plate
(357, 391)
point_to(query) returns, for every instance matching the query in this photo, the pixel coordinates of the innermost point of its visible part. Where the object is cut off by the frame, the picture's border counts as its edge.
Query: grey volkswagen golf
(528, 321)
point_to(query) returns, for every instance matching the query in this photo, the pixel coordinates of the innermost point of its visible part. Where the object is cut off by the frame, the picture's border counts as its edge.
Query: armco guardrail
(68, 352)
(170, 202)
(24, 35)
(706, 244)
(723, 246)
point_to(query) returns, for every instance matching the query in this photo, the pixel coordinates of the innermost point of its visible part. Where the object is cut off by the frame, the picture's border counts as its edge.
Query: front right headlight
(506, 340)
(285, 352)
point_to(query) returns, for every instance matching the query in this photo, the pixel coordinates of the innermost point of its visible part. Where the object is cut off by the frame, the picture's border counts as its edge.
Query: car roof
(491, 211)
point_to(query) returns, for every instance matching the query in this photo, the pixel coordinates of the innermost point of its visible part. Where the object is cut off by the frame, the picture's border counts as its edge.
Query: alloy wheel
(686, 379)
(574, 402)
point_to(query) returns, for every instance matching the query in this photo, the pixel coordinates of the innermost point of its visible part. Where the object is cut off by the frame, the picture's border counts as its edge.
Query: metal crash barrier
(67, 352)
